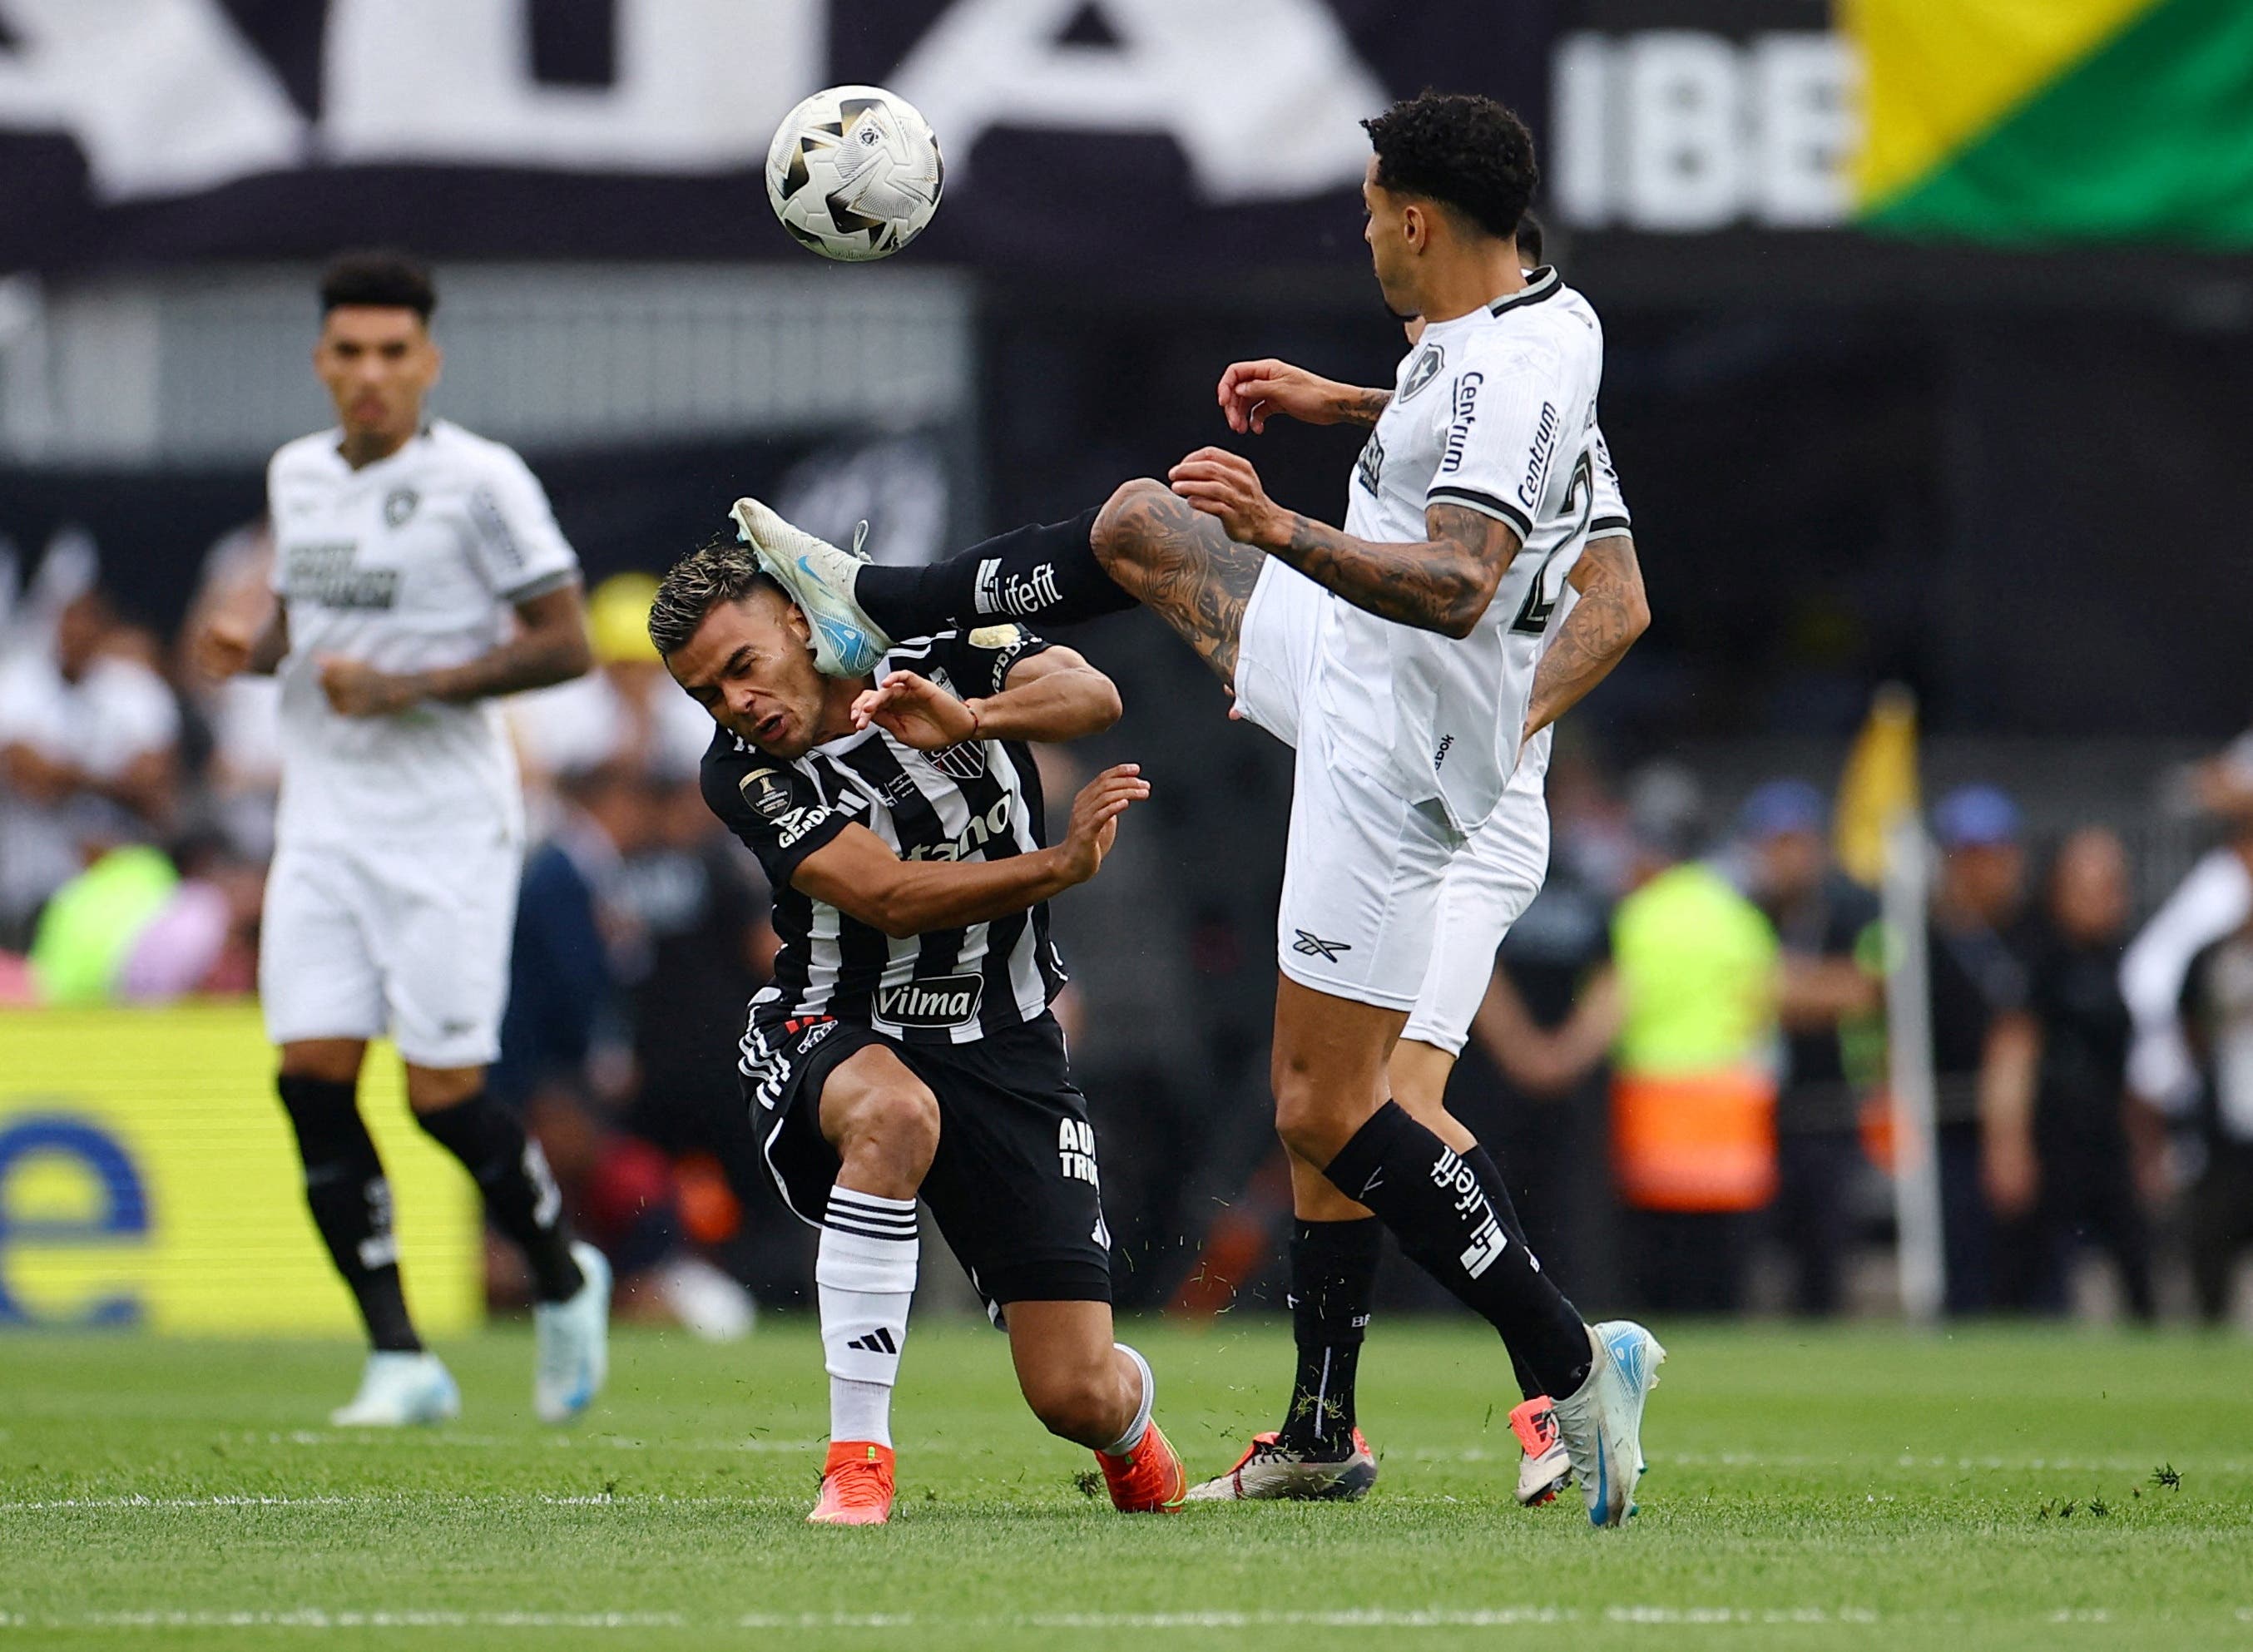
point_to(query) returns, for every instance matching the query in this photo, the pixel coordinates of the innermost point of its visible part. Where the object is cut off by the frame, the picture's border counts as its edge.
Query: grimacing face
(377, 362)
(748, 665)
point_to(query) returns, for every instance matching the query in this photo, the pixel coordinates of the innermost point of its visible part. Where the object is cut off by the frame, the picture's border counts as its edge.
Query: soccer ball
(855, 173)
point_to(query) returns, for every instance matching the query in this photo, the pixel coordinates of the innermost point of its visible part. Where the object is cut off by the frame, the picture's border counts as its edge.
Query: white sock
(1124, 1446)
(865, 1275)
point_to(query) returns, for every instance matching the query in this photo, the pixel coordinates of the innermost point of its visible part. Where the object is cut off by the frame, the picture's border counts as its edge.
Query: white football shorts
(1488, 888)
(410, 940)
(1364, 867)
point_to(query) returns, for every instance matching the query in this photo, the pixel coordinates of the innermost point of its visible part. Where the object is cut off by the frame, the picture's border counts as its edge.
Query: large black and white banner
(1081, 135)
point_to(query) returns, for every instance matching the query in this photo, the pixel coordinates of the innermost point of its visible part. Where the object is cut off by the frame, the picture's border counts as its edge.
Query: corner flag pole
(1904, 896)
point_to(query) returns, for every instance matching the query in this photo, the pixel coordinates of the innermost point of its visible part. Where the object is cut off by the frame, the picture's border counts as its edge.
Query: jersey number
(1541, 601)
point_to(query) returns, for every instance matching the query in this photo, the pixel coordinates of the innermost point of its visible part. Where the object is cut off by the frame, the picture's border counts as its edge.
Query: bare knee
(888, 1138)
(1309, 1114)
(1081, 1404)
(1117, 546)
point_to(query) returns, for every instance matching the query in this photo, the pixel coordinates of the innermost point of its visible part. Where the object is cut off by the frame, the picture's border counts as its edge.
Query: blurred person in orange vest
(1691, 1012)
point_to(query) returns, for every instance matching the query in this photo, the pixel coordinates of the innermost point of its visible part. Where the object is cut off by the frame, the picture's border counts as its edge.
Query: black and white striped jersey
(977, 801)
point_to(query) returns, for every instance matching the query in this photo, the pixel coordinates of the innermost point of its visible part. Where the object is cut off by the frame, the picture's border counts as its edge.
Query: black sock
(1333, 1278)
(1442, 1210)
(522, 1199)
(351, 1202)
(1489, 1175)
(1045, 575)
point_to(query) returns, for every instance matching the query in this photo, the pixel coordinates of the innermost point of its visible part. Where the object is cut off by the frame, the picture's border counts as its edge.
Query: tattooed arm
(1253, 392)
(1443, 584)
(1611, 614)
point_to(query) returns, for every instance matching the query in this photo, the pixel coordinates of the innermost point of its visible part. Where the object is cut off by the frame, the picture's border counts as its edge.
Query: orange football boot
(1148, 1479)
(856, 1485)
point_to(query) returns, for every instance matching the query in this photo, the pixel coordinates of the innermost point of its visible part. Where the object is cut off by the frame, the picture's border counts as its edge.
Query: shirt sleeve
(1610, 516)
(1505, 432)
(773, 807)
(513, 539)
(979, 662)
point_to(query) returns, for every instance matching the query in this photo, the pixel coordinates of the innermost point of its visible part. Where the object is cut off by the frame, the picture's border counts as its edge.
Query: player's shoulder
(309, 455)
(1545, 314)
(469, 454)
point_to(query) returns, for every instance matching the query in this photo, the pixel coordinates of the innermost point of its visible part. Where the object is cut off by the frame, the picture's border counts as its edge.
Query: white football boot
(1270, 1470)
(574, 1356)
(398, 1389)
(1603, 1423)
(820, 579)
(1544, 1469)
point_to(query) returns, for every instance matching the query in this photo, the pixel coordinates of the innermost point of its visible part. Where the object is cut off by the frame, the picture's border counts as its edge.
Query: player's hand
(915, 712)
(1224, 484)
(358, 689)
(1253, 392)
(222, 648)
(1095, 814)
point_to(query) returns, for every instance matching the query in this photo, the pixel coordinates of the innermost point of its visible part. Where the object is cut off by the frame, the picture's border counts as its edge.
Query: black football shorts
(1014, 1186)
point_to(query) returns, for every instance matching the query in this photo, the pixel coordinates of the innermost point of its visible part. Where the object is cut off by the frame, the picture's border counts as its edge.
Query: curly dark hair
(720, 570)
(391, 280)
(1462, 150)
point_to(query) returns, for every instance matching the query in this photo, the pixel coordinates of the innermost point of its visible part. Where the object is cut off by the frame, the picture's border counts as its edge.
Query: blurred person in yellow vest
(1694, 1063)
(1691, 1011)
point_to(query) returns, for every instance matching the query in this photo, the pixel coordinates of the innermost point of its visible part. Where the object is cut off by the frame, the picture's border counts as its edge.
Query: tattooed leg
(1181, 564)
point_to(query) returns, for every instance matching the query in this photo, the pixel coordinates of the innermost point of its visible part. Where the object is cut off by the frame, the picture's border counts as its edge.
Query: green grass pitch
(1862, 1489)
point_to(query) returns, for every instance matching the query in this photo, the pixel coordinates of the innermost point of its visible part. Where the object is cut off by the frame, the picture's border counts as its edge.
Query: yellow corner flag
(1879, 785)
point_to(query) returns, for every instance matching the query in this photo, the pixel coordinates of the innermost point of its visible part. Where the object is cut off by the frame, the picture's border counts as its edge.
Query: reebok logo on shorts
(1314, 945)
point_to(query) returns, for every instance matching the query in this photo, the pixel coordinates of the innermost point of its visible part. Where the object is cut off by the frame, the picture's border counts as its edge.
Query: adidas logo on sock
(877, 1341)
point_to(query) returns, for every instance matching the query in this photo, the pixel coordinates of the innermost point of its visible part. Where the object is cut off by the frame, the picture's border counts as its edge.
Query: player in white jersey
(1587, 611)
(419, 574)
(1394, 669)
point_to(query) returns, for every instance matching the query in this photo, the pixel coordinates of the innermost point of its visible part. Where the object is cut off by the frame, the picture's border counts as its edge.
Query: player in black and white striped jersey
(974, 800)
(905, 1048)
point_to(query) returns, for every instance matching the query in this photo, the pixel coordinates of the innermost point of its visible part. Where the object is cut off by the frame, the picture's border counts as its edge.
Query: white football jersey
(1492, 411)
(1610, 519)
(410, 563)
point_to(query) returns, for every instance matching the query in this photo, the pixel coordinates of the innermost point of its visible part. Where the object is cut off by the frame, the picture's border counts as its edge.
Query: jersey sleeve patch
(980, 663)
(774, 808)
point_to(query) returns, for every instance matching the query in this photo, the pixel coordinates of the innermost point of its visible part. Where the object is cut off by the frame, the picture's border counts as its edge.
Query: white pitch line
(1762, 1461)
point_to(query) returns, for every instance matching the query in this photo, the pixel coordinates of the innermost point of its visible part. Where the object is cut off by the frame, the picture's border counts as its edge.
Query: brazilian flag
(2031, 123)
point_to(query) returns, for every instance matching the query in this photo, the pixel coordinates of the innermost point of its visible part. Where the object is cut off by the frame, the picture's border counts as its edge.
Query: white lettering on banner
(1263, 96)
(700, 85)
(167, 97)
(164, 96)
(1676, 131)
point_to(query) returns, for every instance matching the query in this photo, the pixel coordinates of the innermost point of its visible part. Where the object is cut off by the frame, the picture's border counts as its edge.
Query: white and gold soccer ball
(855, 173)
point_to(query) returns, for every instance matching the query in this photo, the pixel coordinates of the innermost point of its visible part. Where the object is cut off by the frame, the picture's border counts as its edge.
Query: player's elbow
(893, 914)
(1460, 618)
(1101, 706)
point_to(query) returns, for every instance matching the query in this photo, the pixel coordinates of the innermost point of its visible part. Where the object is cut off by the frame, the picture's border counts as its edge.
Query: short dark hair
(390, 280)
(720, 570)
(1461, 151)
(1528, 240)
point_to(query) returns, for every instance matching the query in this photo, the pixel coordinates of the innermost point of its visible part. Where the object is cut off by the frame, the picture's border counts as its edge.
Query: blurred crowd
(1681, 1059)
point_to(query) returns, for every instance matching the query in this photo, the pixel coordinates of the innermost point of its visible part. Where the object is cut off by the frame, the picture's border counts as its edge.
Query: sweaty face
(1388, 232)
(749, 666)
(377, 362)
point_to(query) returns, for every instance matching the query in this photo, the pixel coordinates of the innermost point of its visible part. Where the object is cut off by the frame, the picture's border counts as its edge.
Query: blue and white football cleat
(398, 1390)
(820, 579)
(1603, 1423)
(573, 1360)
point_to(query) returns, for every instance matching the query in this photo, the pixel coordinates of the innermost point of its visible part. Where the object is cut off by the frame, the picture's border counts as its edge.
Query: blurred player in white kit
(419, 575)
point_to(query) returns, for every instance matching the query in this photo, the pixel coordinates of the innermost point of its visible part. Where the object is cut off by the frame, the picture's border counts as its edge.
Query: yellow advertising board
(149, 1177)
